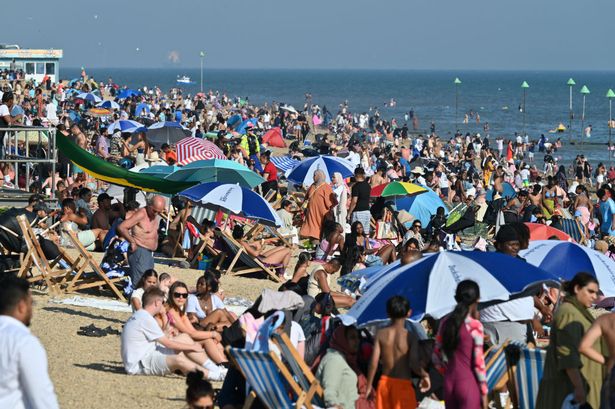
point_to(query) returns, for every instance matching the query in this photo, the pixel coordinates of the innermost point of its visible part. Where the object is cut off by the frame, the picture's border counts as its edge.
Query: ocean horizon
(496, 95)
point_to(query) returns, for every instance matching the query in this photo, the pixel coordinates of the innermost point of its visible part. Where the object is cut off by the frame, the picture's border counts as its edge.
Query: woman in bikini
(332, 241)
(274, 256)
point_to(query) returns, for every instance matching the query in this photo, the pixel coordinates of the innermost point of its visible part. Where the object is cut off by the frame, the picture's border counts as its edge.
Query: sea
(497, 96)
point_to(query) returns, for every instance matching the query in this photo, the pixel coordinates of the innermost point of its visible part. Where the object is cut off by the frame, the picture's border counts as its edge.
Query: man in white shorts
(146, 350)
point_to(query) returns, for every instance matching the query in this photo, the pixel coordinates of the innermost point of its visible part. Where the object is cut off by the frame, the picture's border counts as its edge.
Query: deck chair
(34, 264)
(526, 376)
(497, 375)
(269, 380)
(298, 368)
(573, 228)
(252, 265)
(80, 281)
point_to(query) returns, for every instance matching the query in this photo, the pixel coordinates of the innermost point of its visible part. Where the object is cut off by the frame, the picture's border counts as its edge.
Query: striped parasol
(192, 149)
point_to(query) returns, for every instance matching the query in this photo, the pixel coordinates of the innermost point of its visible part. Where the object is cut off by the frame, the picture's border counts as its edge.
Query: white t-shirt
(521, 309)
(354, 158)
(138, 294)
(4, 110)
(139, 339)
(193, 305)
(525, 174)
(443, 183)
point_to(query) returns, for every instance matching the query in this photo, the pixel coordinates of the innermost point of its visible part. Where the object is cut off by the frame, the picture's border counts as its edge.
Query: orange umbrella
(540, 231)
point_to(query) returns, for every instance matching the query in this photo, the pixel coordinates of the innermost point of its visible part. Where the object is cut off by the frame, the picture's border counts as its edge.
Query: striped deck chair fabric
(495, 361)
(284, 163)
(572, 228)
(528, 376)
(264, 373)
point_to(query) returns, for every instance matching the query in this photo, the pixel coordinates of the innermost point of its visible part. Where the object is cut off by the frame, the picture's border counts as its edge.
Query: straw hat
(418, 170)
(153, 157)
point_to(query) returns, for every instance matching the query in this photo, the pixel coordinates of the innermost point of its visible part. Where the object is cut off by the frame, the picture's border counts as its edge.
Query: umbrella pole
(169, 215)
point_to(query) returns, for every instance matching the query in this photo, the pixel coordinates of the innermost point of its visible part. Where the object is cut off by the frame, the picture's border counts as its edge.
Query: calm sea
(495, 95)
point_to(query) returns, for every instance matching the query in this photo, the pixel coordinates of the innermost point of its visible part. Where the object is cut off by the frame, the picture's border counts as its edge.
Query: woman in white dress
(341, 191)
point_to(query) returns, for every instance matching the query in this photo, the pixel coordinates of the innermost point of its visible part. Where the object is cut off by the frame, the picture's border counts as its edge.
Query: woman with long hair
(373, 257)
(458, 353)
(566, 370)
(178, 319)
(205, 308)
(147, 280)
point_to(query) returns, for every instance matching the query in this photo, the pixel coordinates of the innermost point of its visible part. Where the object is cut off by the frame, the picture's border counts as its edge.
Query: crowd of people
(339, 225)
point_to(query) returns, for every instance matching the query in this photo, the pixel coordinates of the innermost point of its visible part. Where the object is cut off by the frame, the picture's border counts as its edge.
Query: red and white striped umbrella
(192, 149)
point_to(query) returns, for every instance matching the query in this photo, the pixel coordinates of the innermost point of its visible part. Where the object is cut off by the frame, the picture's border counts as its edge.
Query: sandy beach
(88, 371)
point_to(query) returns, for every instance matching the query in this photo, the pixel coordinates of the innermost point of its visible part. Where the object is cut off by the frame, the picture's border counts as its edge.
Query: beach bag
(384, 230)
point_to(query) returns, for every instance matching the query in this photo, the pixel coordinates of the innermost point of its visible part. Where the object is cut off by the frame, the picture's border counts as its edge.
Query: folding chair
(573, 228)
(252, 264)
(34, 264)
(526, 376)
(269, 380)
(497, 376)
(299, 369)
(79, 281)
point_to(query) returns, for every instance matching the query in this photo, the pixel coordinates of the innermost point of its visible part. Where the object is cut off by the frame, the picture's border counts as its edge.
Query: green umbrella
(217, 170)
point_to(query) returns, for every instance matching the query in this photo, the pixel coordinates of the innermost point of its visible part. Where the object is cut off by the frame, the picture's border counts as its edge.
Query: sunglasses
(417, 225)
(201, 407)
(180, 295)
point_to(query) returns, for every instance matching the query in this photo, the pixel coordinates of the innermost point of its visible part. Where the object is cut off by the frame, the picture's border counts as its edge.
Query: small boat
(184, 79)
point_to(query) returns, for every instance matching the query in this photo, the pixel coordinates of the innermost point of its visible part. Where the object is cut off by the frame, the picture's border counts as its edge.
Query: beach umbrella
(508, 193)
(159, 170)
(235, 199)
(127, 93)
(192, 149)
(108, 104)
(142, 109)
(166, 132)
(217, 170)
(303, 173)
(539, 231)
(429, 283)
(125, 125)
(248, 123)
(273, 137)
(234, 120)
(289, 108)
(397, 189)
(89, 97)
(422, 206)
(99, 112)
(360, 279)
(565, 259)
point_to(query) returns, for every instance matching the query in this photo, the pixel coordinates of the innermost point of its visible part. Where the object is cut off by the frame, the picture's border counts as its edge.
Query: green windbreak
(103, 170)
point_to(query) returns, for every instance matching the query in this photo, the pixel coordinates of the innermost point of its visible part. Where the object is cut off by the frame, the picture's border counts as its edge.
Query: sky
(327, 34)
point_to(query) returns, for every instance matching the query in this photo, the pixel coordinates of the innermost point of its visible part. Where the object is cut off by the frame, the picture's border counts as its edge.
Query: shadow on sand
(109, 366)
(83, 314)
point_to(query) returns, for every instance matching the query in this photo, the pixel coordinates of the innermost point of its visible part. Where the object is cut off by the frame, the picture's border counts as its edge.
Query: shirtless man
(602, 329)
(397, 349)
(379, 177)
(141, 231)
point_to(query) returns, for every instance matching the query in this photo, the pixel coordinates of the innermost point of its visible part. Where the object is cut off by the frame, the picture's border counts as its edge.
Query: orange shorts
(394, 393)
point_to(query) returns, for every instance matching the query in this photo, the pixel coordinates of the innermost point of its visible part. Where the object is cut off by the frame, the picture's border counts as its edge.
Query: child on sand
(397, 349)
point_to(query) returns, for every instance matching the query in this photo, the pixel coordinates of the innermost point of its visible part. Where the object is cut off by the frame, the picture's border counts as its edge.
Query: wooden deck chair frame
(50, 272)
(504, 379)
(84, 261)
(300, 370)
(258, 265)
(304, 398)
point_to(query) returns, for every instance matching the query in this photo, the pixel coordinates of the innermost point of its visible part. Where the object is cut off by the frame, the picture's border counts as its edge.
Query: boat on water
(184, 79)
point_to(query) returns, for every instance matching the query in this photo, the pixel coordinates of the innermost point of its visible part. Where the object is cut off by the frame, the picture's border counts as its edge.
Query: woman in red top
(270, 173)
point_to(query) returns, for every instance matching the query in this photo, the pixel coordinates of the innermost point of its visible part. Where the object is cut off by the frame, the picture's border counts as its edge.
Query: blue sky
(341, 34)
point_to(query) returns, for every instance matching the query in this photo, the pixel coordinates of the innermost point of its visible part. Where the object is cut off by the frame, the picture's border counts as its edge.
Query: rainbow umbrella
(397, 189)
